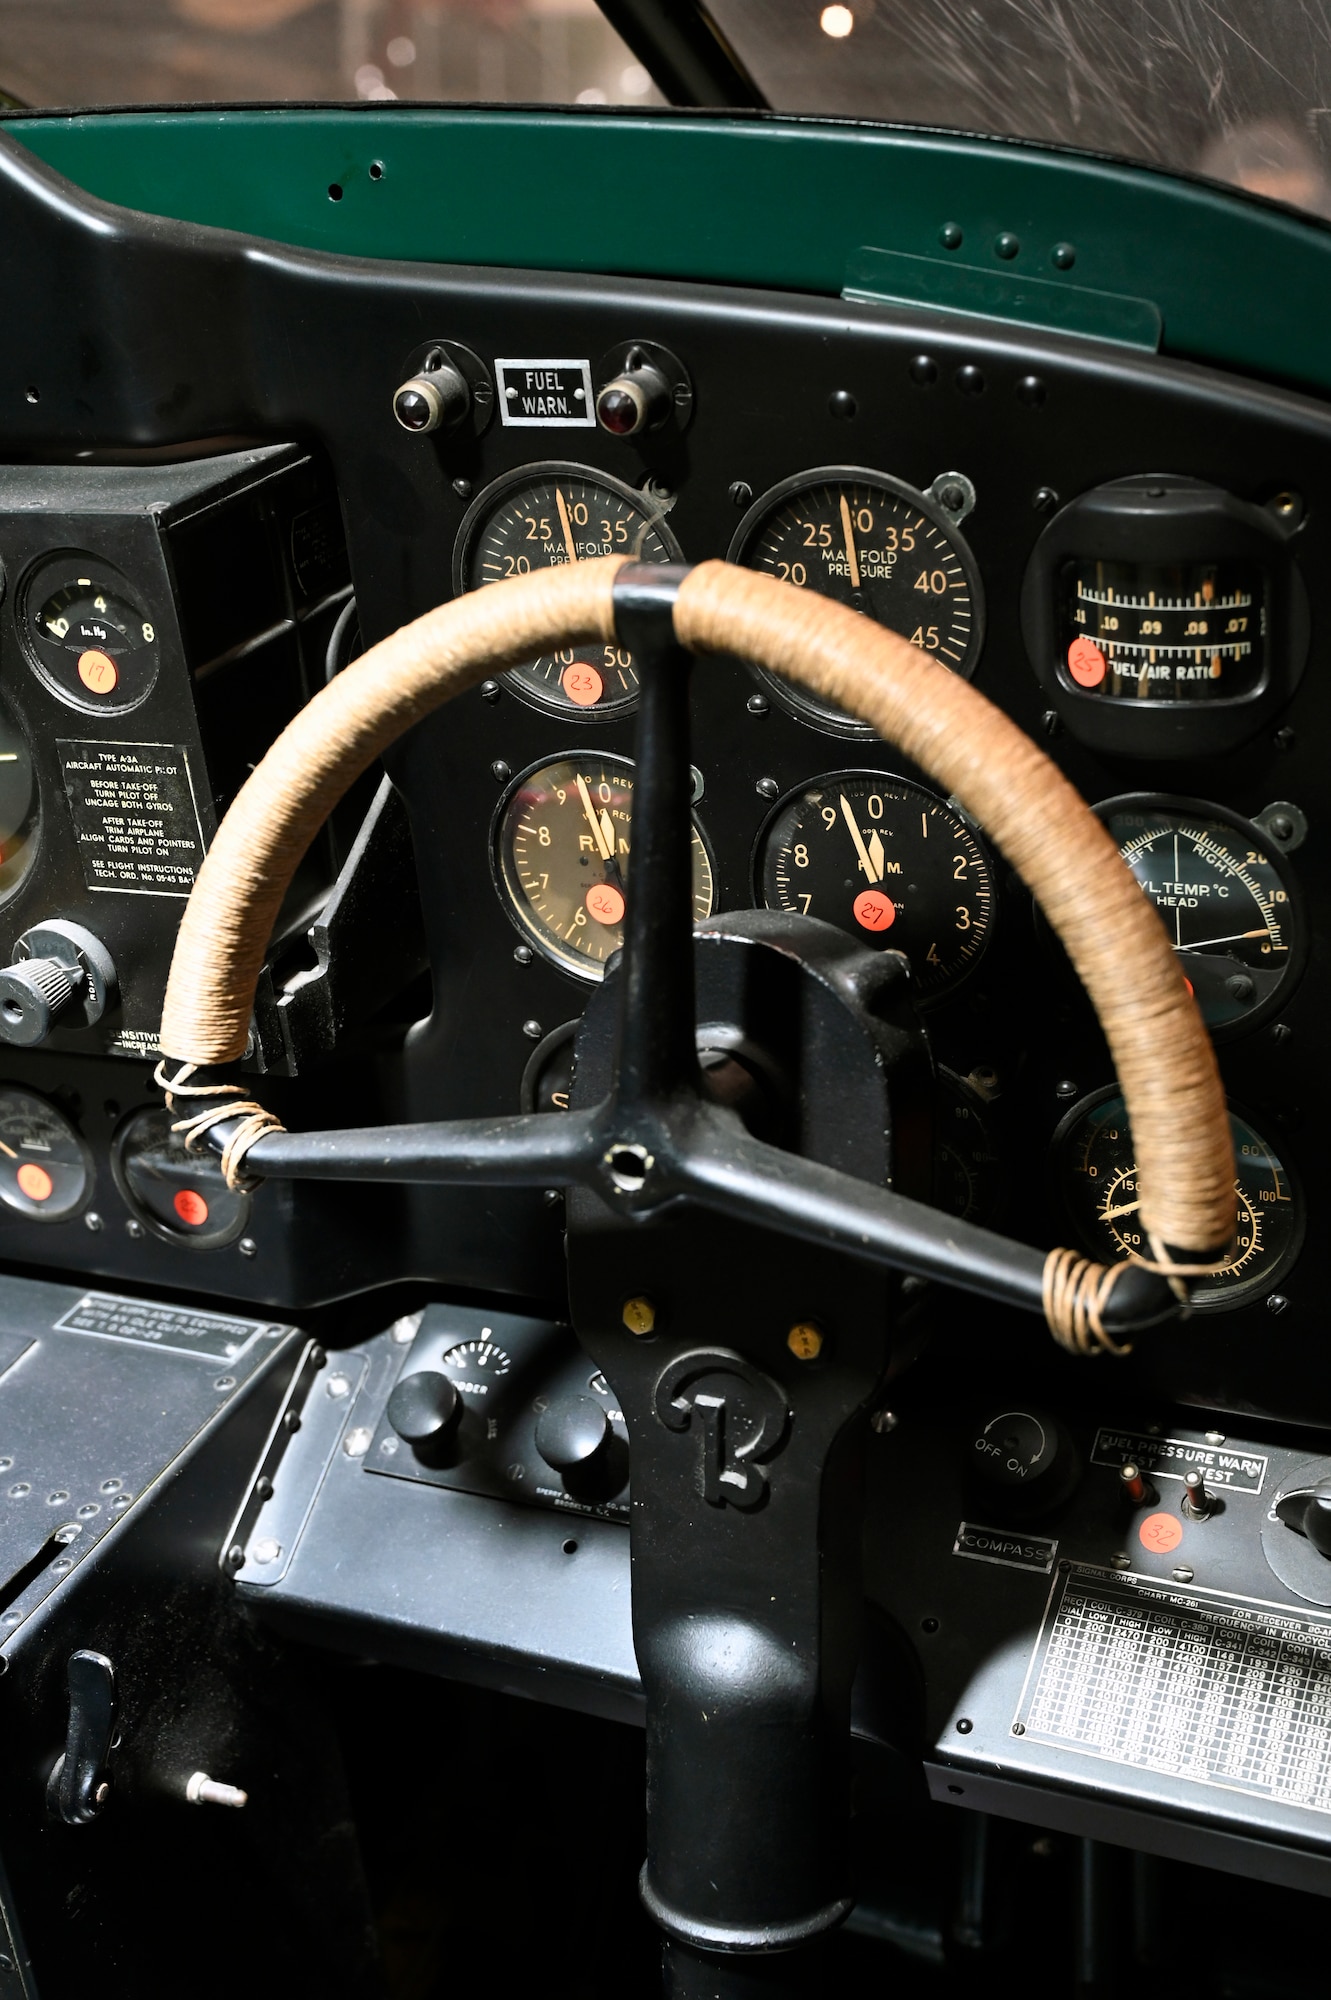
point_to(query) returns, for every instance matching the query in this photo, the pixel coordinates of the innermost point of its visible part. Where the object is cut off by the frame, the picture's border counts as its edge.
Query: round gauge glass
(877, 545)
(542, 517)
(968, 1169)
(46, 1170)
(88, 634)
(18, 805)
(1098, 1174)
(562, 842)
(1227, 900)
(887, 862)
(179, 1194)
(1185, 631)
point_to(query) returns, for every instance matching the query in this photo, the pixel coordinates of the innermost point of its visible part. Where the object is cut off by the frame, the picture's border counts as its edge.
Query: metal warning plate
(1223, 1690)
(1233, 1467)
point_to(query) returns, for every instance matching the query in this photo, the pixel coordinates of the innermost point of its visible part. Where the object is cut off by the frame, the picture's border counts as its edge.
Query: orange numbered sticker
(191, 1207)
(582, 684)
(1160, 1533)
(98, 671)
(34, 1181)
(605, 903)
(1086, 663)
(874, 910)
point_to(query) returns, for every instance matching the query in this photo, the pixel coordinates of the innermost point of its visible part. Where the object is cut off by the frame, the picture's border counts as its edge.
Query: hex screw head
(639, 1315)
(805, 1341)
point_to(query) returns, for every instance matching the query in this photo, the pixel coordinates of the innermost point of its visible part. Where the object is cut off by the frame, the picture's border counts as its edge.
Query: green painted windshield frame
(739, 199)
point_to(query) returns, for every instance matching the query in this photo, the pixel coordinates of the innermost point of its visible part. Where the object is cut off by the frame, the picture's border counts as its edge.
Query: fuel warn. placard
(135, 818)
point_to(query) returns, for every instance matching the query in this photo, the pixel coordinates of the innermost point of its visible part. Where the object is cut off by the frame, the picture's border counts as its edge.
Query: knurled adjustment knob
(436, 399)
(33, 992)
(573, 1435)
(639, 399)
(424, 1409)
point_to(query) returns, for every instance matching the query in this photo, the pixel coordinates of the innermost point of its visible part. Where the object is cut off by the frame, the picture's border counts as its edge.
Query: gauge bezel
(589, 972)
(107, 575)
(203, 1239)
(1179, 805)
(791, 695)
(1187, 520)
(480, 510)
(922, 1000)
(1247, 1290)
(43, 1217)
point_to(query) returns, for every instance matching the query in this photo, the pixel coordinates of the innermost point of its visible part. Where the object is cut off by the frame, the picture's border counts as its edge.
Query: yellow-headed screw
(805, 1341)
(639, 1315)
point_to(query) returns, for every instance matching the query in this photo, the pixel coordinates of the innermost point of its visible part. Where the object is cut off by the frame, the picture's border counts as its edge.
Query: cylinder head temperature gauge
(542, 517)
(46, 1168)
(877, 545)
(1227, 900)
(886, 861)
(1097, 1171)
(562, 849)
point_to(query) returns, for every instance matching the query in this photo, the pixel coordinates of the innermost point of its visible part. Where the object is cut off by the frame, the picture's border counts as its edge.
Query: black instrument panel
(1120, 551)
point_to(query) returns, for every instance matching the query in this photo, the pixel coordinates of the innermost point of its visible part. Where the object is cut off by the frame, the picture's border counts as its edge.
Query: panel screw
(805, 1341)
(1044, 500)
(965, 1726)
(1284, 738)
(1122, 1560)
(1281, 1031)
(263, 1487)
(970, 380)
(1215, 1437)
(950, 236)
(767, 788)
(1066, 1088)
(532, 1030)
(741, 494)
(248, 1247)
(462, 487)
(758, 704)
(1018, 1728)
(842, 404)
(1277, 1302)
(134, 1230)
(1031, 390)
(1183, 1574)
(225, 1382)
(1062, 256)
(552, 1197)
(884, 1421)
(1051, 722)
(356, 1443)
(92, 1220)
(523, 954)
(924, 371)
(267, 1551)
(501, 771)
(1006, 246)
(489, 690)
(235, 1556)
(639, 1315)
(928, 1624)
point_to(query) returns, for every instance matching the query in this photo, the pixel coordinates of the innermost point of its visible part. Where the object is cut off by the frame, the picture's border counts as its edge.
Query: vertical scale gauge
(542, 517)
(882, 548)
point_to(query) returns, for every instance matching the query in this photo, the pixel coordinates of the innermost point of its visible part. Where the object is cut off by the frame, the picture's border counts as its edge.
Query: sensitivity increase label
(135, 819)
(1233, 1467)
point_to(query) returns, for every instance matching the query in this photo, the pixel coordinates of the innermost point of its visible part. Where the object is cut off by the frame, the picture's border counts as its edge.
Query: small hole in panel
(334, 192)
(376, 170)
(958, 1790)
(570, 1548)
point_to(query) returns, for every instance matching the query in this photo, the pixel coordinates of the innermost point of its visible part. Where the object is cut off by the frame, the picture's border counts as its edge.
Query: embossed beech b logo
(737, 1414)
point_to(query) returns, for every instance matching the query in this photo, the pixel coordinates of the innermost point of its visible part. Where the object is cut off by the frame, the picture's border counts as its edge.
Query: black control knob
(1022, 1459)
(639, 399)
(573, 1436)
(60, 973)
(424, 1409)
(1309, 1514)
(435, 400)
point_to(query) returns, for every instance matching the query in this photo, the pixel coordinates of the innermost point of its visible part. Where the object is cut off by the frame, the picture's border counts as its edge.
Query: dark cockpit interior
(662, 770)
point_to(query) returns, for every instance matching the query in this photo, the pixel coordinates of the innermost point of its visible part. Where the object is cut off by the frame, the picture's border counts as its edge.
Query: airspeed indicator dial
(886, 861)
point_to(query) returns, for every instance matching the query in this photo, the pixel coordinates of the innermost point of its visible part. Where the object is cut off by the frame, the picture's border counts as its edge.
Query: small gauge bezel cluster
(55, 664)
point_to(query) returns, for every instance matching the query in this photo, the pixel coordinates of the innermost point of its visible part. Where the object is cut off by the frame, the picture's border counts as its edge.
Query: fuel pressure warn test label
(1232, 1466)
(135, 818)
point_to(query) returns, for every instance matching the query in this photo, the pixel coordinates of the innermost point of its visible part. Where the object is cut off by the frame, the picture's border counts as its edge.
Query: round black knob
(1024, 1457)
(1317, 1517)
(434, 400)
(638, 400)
(32, 994)
(424, 1407)
(573, 1434)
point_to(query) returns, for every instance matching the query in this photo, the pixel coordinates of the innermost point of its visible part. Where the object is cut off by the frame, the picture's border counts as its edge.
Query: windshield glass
(89, 52)
(1239, 90)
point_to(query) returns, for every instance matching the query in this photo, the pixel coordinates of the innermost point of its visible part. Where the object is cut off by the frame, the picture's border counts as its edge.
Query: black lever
(78, 1788)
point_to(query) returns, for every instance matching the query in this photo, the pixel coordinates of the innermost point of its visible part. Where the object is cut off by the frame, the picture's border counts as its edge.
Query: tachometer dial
(1228, 902)
(542, 517)
(88, 634)
(880, 547)
(1098, 1173)
(563, 836)
(886, 861)
(45, 1167)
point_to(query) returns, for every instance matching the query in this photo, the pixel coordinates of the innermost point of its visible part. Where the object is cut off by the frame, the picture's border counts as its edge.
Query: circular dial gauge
(1227, 901)
(180, 1194)
(886, 861)
(479, 1360)
(1186, 631)
(968, 1169)
(87, 634)
(18, 805)
(540, 518)
(1099, 1178)
(45, 1167)
(878, 546)
(562, 845)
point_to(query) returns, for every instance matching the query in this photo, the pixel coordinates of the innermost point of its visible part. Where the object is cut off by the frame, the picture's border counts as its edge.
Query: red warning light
(191, 1207)
(873, 910)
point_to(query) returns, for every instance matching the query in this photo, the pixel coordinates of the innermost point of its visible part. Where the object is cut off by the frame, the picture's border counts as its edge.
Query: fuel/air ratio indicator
(890, 863)
(1190, 631)
(1227, 899)
(543, 517)
(562, 849)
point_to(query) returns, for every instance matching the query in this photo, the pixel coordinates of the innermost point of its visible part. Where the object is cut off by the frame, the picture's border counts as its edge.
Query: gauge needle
(603, 847)
(870, 871)
(851, 556)
(1127, 1208)
(1236, 937)
(8, 1150)
(567, 526)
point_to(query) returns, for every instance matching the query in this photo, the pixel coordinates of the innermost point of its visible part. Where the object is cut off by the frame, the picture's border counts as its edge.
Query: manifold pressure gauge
(562, 850)
(886, 861)
(877, 545)
(542, 517)
(1097, 1170)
